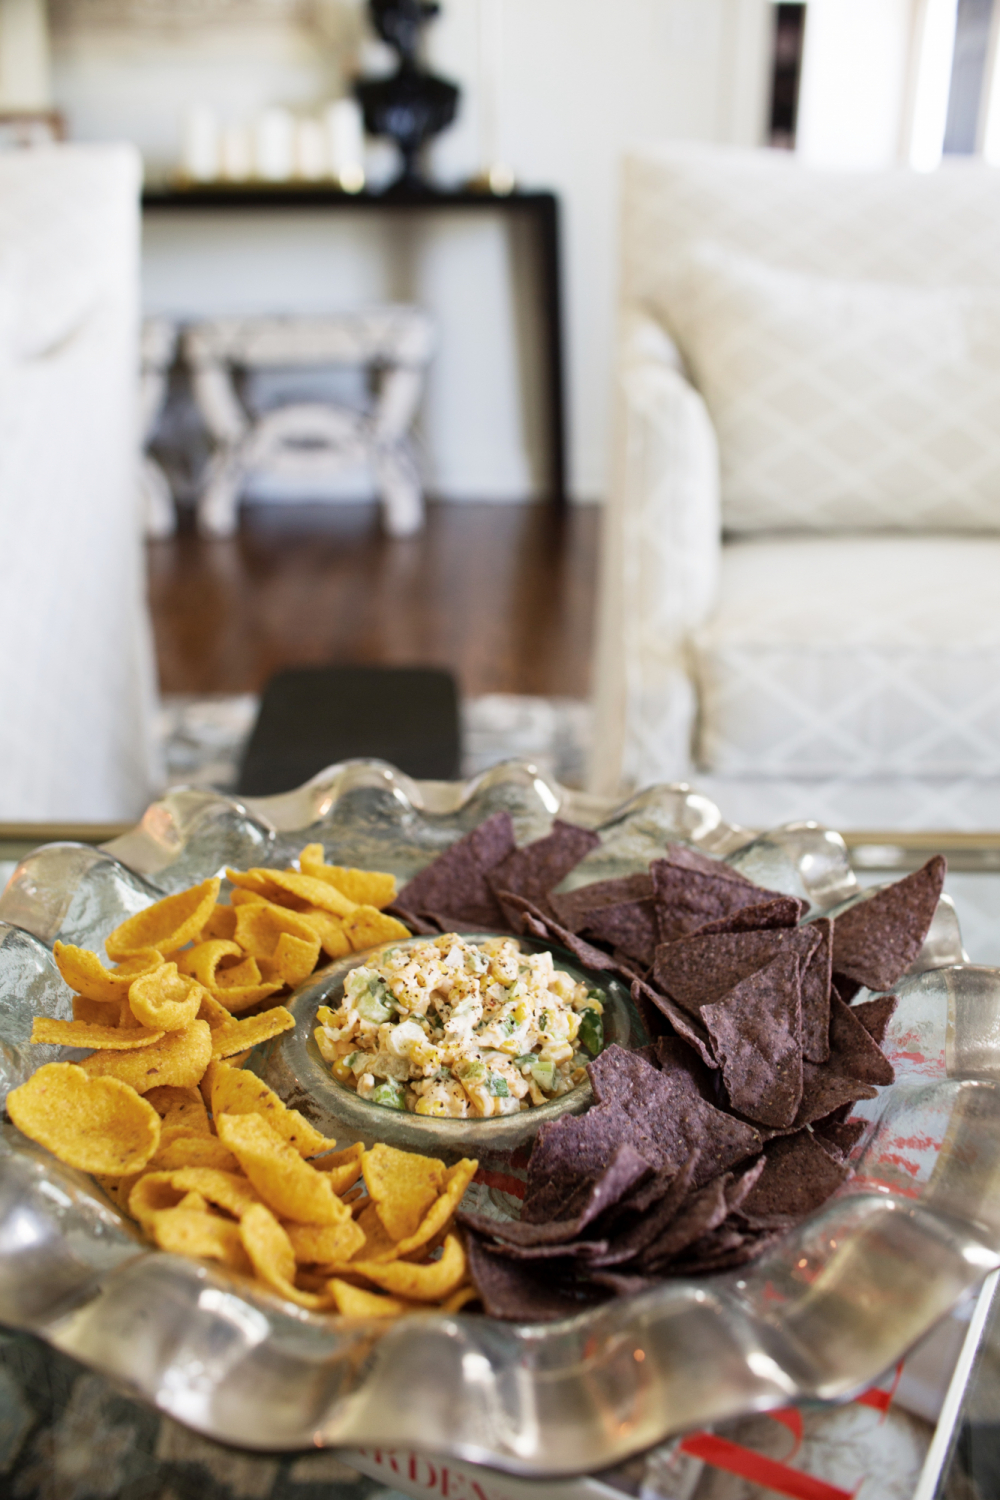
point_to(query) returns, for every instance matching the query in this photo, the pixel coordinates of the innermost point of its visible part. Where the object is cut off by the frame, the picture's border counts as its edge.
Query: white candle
(236, 153)
(274, 145)
(346, 144)
(311, 150)
(200, 144)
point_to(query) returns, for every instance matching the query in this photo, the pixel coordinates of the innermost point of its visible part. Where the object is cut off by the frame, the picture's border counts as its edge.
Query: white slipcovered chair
(800, 590)
(76, 676)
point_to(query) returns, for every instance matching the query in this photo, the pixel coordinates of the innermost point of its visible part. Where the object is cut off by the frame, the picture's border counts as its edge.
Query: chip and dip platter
(820, 1316)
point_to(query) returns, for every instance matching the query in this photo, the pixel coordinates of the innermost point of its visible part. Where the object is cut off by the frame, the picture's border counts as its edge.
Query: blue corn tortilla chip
(574, 908)
(694, 971)
(667, 1119)
(798, 1178)
(625, 1170)
(651, 1002)
(569, 1156)
(756, 1032)
(525, 1293)
(702, 1212)
(816, 982)
(688, 898)
(783, 911)
(693, 859)
(839, 1137)
(859, 1054)
(537, 868)
(628, 928)
(456, 884)
(648, 1224)
(875, 1015)
(876, 941)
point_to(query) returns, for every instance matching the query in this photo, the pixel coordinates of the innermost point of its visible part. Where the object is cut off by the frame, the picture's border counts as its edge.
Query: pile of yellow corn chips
(206, 1157)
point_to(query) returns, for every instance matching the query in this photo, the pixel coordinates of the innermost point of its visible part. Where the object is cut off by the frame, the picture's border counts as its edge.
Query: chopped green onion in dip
(462, 1030)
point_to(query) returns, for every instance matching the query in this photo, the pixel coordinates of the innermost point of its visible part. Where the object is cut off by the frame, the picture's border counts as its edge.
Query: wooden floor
(503, 595)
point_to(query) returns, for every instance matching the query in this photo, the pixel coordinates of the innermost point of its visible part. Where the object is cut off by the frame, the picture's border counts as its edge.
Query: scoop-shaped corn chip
(195, 1202)
(165, 999)
(99, 1012)
(82, 1034)
(426, 1283)
(180, 1107)
(354, 1302)
(153, 1192)
(273, 1258)
(226, 1190)
(260, 926)
(239, 1036)
(84, 972)
(330, 931)
(117, 1188)
(194, 1151)
(167, 924)
(184, 1231)
(97, 1125)
(180, 1058)
(378, 1242)
(237, 976)
(286, 1183)
(211, 1011)
(402, 1185)
(237, 1093)
(288, 888)
(241, 897)
(439, 1214)
(257, 880)
(293, 960)
(363, 887)
(320, 1244)
(343, 1168)
(368, 927)
(203, 960)
(237, 998)
(220, 923)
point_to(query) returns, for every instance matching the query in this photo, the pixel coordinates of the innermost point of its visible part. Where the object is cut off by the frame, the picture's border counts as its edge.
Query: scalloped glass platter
(822, 1316)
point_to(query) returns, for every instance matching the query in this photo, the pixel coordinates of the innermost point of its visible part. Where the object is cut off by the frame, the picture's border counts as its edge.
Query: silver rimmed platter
(821, 1316)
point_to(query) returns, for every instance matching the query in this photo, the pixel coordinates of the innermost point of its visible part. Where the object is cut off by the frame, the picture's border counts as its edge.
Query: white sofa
(76, 673)
(800, 588)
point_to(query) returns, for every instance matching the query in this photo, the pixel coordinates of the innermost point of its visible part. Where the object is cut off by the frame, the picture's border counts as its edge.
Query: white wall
(581, 79)
(852, 99)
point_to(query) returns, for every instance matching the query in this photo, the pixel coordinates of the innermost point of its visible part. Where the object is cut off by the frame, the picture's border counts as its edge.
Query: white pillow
(843, 404)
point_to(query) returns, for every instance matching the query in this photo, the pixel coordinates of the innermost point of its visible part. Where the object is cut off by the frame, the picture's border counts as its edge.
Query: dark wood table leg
(547, 209)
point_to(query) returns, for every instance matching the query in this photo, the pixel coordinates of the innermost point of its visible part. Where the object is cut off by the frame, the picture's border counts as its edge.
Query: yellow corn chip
(226, 1190)
(82, 1034)
(261, 924)
(241, 897)
(368, 927)
(273, 1258)
(97, 1125)
(363, 887)
(286, 1183)
(183, 1107)
(237, 976)
(402, 1185)
(293, 960)
(457, 1300)
(426, 1283)
(237, 1093)
(195, 1202)
(343, 1168)
(240, 998)
(179, 1058)
(165, 999)
(169, 924)
(319, 1244)
(211, 1011)
(353, 1302)
(202, 961)
(187, 1232)
(240, 1036)
(194, 1151)
(221, 923)
(153, 1192)
(117, 1188)
(456, 1181)
(257, 881)
(84, 972)
(99, 1012)
(330, 931)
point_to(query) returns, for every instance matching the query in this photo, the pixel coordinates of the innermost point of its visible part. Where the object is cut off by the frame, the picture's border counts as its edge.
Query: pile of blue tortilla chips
(707, 1145)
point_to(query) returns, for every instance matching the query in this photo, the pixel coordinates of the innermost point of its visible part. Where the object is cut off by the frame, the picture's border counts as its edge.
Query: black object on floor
(312, 717)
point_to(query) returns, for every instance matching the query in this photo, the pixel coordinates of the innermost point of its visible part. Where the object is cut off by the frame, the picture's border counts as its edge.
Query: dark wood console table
(541, 208)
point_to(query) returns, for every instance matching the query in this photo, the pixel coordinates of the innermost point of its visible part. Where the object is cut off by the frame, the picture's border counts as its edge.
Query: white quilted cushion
(843, 404)
(853, 657)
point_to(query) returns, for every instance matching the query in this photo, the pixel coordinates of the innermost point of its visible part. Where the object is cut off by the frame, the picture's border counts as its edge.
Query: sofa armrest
(660, 556)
